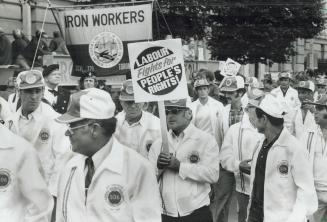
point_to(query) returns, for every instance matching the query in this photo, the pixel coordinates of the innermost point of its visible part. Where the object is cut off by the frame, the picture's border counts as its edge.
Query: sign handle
(163, 123)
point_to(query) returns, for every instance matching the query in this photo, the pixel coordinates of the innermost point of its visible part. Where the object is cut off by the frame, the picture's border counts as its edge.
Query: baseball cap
(127, 92)
(284, 75)
(321, 81)
(180, 103)
(271, 105)
(306, 85)
(48, 69)
(90, 103)
(232, 83)
(30, 79)
(201, 82)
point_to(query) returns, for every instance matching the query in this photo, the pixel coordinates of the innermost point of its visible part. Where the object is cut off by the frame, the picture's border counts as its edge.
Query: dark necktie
(54, 92)
(90, 172)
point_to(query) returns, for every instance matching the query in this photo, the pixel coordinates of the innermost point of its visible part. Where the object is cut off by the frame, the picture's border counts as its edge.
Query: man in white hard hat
(186, 172)
(24, 195)
(35, 121)
(315, 142)
(304, 117)
(239, 144)
(105, 180)
(289, 96)
(205, 109)
(282, 187)
(136, 129)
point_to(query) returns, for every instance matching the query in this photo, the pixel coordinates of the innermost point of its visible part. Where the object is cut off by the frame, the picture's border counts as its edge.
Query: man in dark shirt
(18, 45)
(281, 176)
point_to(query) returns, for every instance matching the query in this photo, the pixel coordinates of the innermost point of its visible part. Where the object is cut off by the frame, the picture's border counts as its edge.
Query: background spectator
(5, 49)
(58, 44)
(18, 46)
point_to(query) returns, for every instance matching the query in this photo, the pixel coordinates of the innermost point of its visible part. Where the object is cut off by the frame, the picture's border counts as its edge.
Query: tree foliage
(247, 31)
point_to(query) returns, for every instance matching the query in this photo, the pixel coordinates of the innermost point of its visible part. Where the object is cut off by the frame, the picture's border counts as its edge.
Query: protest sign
(157, 70)
(230, 68)
(97, 38)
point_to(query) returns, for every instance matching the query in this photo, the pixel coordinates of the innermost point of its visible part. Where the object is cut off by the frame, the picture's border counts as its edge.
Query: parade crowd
(75, 157)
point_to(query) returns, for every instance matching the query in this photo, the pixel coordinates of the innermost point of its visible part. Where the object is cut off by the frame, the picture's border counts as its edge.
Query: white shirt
(23, 191)
(316, 145)
(5, 111)
(47, 136)
(240, 142)
(291, 103)
(208, 113)
(140, 135)
(123, 188)
(188, 190)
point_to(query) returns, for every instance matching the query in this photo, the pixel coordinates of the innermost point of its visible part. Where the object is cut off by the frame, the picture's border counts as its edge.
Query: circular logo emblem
(229, 82)
(114, 195)
(194, 157)
(106, 49)
(30, 78)
(283, 168)
(5, 178)
(44, 134)
(302, 84)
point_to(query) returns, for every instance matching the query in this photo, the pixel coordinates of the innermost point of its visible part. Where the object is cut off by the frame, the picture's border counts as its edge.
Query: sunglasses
(174, 111)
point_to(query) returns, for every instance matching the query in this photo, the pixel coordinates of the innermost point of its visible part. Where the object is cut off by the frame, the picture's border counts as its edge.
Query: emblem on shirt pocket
(5, 178)
(44, 135)
(114, 196)
(283, 168)
(194, 157)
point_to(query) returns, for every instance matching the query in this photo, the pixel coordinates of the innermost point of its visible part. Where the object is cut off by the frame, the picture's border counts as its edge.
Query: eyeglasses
(71, 129)
(174, 111)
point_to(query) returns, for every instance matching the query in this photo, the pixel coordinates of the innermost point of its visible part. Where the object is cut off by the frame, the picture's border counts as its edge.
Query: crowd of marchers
(79, 155)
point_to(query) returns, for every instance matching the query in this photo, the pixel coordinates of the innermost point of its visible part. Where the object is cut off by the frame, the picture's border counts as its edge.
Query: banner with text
(157, 70)
(97, 38)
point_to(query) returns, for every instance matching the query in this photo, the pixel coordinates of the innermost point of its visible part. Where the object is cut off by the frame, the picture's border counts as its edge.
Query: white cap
(90, 103)
(271, 105)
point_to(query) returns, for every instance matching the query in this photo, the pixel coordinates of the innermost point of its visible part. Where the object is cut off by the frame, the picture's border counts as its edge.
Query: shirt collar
(140, 122)
(99, 156)
(185, 134)
(48, 88)
(36, 114)
(283, 138)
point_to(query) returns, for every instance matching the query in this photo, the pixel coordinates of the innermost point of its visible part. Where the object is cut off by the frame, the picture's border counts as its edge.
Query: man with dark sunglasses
(186, 172)
(315, 142)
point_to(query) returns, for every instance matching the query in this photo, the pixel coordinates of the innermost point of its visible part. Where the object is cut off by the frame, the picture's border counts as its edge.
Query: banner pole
(163, 123)
(104, 4)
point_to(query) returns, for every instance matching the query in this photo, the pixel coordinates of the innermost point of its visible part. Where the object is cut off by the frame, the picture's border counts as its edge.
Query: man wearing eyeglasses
(34, 121)
(136, 128)
(185, 174)
(105, 181)
(315, 142)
